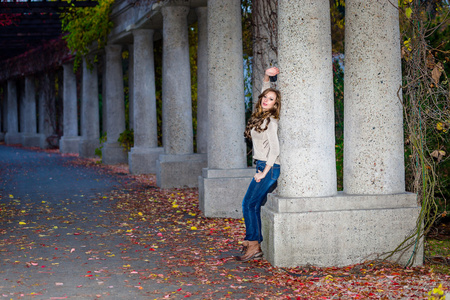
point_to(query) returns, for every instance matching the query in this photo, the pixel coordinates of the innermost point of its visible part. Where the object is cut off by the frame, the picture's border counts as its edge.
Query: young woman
(262, 130)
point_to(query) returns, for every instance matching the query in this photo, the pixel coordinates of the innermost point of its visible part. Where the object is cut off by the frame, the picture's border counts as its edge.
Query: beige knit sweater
(266, 146)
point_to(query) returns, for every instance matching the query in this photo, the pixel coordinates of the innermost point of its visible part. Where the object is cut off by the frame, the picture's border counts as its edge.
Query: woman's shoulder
(272, 119)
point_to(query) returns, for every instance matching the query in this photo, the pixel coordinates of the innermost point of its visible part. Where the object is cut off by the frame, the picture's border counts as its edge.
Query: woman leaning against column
(262, 129)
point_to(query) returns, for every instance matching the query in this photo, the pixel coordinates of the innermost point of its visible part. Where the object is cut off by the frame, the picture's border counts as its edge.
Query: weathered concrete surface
(306, 80)
(224, 191)
(70, 140)
(337, 231)
(180, 170)
(373, 128)
(142, 160)
(47, 109)
(143, 156)
(30, 138)
(178, 166)
(12, 135)
(113, 152)
(226, 123)
(202, 80)
(90, 131)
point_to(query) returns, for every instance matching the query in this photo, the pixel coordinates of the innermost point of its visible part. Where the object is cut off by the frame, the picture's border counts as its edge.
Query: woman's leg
(251, 205)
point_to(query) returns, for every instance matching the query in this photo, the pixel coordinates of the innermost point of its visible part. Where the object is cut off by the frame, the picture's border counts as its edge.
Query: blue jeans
(256, 197)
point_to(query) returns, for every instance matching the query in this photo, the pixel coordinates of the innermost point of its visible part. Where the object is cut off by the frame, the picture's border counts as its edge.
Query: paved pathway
(61, 238)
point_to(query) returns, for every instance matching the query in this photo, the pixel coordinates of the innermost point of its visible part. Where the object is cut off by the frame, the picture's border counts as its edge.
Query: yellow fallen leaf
(11, 196)
(22, 223)
(193, 228)
(408, 12)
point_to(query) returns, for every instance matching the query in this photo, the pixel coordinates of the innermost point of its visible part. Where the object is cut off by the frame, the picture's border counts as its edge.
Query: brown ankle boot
(244, 247)
(253, 252)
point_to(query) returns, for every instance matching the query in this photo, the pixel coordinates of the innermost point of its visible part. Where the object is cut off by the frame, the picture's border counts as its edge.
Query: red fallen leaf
(76, 233)
(179, 289)
(151, 249)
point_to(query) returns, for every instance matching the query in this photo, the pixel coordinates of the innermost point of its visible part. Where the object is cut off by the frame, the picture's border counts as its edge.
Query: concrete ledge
(143, 160)
(13, 138)
(221, 191)
(87, 147)
(342, 202)
(69, 144)
(338, 236)
(176, 171)
(113, 154)
(31, 140)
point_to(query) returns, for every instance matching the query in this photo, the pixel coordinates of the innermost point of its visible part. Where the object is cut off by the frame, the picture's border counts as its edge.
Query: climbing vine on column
(86, 27)
(426, 99)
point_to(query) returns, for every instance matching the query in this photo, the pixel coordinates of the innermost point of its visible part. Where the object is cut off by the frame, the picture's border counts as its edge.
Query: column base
(221, 191)
(113, 154)
(2, 136)
(177, 171)
(13, 138)
(87, 147)
(338, 231)
(31, 140)
(143, 160)
(69, 144)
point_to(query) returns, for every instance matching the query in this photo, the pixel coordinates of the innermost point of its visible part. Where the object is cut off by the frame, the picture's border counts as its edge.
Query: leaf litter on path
(155, 243)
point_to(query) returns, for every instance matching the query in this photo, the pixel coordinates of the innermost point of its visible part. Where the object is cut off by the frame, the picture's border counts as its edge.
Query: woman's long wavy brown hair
(259, 115)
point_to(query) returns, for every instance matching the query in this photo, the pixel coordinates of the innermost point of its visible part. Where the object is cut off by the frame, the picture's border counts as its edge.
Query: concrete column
(70, 140)
(224, 182)
(113, 152)
(178, 166)
(90, 131)
(47, 109)
(30, 138)
(202, 80)
(131, 86)
(373, 129)
(307, 222)
(104, 102)
(12, 135)
(143, 156)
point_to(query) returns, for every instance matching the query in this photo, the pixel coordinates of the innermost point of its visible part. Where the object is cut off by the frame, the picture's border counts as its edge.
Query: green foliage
(437, 251)
(247, 33)
(126, 139)
(157, 52)
(102, 139)
(85, 26)
(193, 47)
(338, 83)
(337, 14)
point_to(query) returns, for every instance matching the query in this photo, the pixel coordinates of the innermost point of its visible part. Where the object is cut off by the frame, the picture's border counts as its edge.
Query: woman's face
(268, 100)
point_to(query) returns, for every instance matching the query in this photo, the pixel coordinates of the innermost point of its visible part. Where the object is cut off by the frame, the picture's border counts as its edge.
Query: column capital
(142, 32)
(113, 48)
(178, 3)
(175, 11)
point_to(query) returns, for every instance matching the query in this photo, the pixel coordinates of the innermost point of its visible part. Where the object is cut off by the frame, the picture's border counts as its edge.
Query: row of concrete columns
(306, 220)
(34, 131)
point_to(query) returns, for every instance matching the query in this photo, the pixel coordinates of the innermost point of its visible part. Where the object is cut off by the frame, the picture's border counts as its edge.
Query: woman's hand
(272, 71)
(258, 176)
